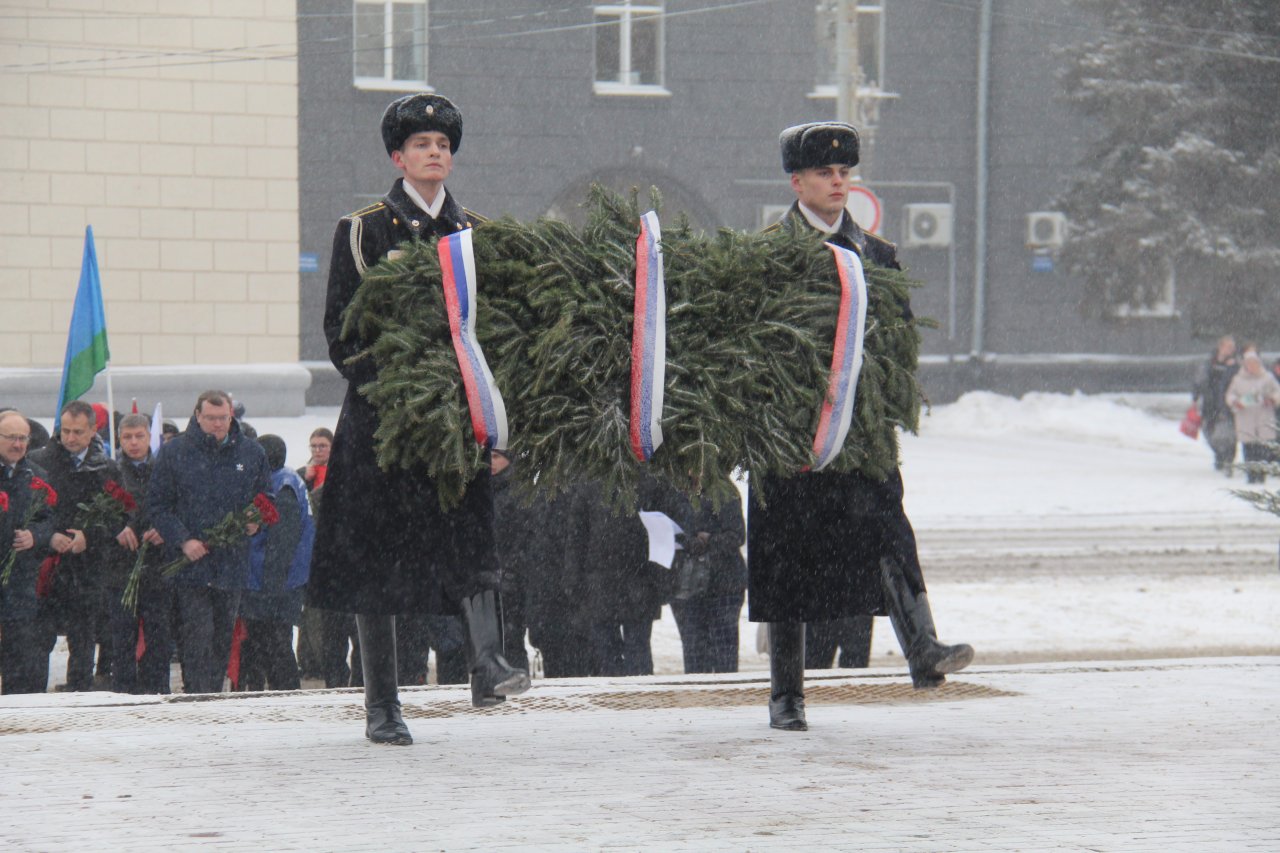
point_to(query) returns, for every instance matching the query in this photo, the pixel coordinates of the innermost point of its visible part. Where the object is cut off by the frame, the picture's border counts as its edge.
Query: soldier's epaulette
(892, 248)
(774, 228)
(475, 218)
(364, 211)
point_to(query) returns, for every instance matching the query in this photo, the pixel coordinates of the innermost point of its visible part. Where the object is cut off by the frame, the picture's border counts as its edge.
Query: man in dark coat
(828, 545)
(555, 608)
(199, 477)
(710, 583)
(24, 642)
(78, 468)
(623, 590)
(383, 544)
(153, 616)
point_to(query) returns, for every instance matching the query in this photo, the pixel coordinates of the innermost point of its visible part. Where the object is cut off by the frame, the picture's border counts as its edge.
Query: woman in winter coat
(1210, 392)
(1253, 396)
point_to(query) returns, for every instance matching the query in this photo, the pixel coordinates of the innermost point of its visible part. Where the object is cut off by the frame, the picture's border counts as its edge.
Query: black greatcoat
(814, 549)
(383, 545)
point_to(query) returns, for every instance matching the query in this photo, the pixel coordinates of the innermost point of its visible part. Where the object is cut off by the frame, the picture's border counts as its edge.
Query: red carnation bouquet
(107, 509)
(230, 530)
(4, 501)
(43, 496)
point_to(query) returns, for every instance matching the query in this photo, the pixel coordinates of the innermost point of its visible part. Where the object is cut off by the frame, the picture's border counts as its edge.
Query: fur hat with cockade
(421, 113)
(817, 144)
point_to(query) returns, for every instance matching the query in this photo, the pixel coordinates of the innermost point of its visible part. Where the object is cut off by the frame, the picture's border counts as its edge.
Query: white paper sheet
(662, 537)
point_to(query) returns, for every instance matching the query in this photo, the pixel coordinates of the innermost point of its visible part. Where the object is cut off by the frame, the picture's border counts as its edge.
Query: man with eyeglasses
(24, 644)
(79, 469)
(197, 478)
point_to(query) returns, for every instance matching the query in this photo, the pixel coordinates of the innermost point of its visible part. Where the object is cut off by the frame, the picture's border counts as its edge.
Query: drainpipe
(980, 180)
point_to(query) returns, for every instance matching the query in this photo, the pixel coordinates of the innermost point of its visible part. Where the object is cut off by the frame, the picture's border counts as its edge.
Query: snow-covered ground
(1039, 481)
(1054, 527)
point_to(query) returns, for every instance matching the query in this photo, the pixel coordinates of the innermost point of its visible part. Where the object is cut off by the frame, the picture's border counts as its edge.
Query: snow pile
(1075, 417)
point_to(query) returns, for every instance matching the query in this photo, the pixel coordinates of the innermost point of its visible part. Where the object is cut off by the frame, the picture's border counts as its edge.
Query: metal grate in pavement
(819, 694)
(418, 705)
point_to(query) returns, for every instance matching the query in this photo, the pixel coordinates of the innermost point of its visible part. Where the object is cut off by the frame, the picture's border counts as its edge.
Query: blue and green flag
(87, 352)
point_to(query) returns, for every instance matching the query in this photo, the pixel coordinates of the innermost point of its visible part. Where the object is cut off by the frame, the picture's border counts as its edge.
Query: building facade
(689, 96)
(172, 130)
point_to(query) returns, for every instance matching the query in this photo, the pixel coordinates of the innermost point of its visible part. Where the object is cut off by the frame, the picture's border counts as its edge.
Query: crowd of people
(202, 547)
(1238, 400)
(138, 552)
(576, 578)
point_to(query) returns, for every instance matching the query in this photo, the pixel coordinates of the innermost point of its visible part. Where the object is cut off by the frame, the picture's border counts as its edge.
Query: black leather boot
(928, 659)
(382, 720)
(786, 676)
(492, 678)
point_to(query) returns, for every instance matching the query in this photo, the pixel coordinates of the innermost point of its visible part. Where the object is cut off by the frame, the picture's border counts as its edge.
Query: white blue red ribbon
(648, 341)
(458, 271)
(846, 358)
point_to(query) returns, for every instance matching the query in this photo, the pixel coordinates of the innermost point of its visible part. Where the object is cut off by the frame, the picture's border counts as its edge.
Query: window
(629, 49)
(869, 42)
(391, 44)
(1163, 301)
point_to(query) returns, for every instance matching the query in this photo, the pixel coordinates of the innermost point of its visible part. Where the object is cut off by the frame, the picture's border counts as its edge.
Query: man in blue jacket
(200, 476)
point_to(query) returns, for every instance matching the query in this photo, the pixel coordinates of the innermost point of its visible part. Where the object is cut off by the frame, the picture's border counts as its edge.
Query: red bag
(1190, 425)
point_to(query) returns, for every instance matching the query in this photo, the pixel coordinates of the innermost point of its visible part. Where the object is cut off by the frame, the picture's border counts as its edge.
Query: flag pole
(111, 401)
(111, 416)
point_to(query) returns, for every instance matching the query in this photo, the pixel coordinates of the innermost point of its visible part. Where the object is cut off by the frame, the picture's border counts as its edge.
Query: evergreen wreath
(750, 328)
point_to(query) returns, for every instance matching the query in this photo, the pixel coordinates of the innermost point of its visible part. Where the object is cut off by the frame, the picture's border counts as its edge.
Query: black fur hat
(418, 114)
(819, 143)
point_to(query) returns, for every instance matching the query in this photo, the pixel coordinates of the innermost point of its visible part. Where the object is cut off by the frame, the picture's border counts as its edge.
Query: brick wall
(171, 128)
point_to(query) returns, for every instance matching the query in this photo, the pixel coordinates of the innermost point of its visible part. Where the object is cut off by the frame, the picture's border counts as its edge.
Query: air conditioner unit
(1046, 229)
(927, 225)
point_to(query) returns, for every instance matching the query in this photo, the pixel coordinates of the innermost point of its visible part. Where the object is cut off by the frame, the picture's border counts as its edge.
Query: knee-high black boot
(786, 676)
(492, 678)
(928, 659)
(383, 723)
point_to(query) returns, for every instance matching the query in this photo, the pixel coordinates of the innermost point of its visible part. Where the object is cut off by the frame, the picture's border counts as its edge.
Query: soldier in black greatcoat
(829, 545)
(383, 545)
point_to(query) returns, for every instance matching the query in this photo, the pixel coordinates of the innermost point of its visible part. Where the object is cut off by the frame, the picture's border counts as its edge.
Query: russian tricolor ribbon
(846, 358)
(648, 341)
(458, 271)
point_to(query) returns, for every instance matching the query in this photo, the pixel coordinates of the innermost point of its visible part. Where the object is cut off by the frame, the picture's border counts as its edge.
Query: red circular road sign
(864, 207)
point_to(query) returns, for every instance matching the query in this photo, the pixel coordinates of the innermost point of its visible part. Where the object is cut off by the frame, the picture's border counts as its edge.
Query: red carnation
(4, 501)
(50, 496)
(44, 577)
(121, 497)
(266, 509)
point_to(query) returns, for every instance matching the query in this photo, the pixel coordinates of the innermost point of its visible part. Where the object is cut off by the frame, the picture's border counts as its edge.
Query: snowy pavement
(1164, 756)
(1057, 533)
